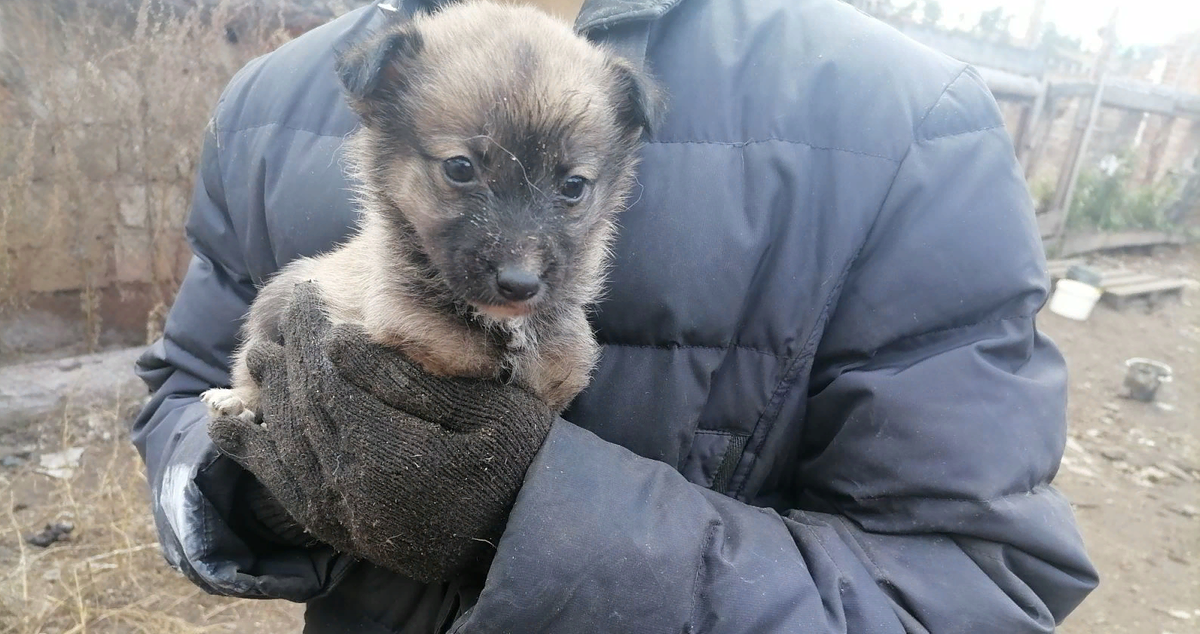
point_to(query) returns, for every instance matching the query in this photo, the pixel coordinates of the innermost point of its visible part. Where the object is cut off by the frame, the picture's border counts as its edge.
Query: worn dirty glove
(375, 457)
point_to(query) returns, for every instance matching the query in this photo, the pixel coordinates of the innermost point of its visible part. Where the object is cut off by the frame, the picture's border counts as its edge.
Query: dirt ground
(1132, 470)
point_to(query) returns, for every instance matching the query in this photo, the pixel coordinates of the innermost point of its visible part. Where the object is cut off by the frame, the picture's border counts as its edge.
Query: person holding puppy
(822, 403)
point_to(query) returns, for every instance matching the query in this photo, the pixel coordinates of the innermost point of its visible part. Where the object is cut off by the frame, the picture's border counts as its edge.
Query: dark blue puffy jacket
(823, 404)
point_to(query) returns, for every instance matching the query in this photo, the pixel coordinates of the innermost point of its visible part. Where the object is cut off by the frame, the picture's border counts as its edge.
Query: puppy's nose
(517, 284)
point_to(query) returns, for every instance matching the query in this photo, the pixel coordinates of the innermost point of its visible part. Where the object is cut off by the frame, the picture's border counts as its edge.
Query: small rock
(1186, 510)
(1164, 407)
(57, 532)
(1112, 406)
(1075, 446)
(1092, 433)
(20, 452)
(1177, 472)
(52, 575)
(1153, 475)
(1182, 615)
(1114, 454)
(60, 464)
(19, 506)
(66, 365)
(15, 456)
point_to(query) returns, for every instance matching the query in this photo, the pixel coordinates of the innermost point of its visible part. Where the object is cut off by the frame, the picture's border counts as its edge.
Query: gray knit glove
(375, 457)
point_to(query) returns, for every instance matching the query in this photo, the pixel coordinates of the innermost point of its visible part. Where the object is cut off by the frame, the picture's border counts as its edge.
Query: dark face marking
(498, 166)
(527, 213)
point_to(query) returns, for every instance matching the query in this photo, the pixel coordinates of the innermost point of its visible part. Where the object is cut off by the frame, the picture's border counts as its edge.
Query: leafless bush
(102, 104)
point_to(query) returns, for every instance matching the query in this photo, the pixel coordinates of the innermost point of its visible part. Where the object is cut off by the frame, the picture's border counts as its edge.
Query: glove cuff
(264, 516)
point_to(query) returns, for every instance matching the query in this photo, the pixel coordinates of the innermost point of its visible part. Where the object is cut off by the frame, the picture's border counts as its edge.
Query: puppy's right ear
(373, 73)
(640, 101)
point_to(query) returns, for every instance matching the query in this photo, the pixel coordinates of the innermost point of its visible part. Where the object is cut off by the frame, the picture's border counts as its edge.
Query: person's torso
(787, 122)
(755, 194)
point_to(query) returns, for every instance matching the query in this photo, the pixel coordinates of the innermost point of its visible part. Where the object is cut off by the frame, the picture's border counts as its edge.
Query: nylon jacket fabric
(823, 404)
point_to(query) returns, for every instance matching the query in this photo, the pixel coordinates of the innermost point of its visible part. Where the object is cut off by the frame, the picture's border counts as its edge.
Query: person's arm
(935, 424)
(199, 498)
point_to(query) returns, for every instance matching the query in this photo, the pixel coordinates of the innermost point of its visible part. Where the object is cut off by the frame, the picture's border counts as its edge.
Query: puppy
(496, 149)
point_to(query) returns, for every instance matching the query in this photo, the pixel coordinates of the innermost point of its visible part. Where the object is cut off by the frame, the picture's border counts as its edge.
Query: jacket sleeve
(192, 486)
(921, 497)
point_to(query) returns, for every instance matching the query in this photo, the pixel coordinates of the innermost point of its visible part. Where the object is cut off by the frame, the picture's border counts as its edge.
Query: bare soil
(1132, 470)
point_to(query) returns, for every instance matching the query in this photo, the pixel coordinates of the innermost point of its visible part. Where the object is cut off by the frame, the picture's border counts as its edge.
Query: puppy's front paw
(222, 402)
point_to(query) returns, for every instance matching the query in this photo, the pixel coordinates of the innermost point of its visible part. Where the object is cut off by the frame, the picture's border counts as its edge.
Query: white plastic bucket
(1074, 300)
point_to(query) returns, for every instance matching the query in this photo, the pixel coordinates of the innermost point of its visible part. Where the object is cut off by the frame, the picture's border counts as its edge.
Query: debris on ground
(1152, 475)
(1186, 510)
(13, 457)
(1145, 376)
(60, 464)
(56, 532)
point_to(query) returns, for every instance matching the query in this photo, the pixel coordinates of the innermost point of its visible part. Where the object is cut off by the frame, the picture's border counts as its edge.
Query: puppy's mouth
(507, 310)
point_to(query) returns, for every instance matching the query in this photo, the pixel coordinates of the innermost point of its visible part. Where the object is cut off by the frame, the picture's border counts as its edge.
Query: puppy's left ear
(640, 102)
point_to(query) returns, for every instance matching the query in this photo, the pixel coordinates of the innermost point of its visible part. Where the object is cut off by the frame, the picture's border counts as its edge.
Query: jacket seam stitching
(710, 536)
(277, 124)
(786, 382)
(964, 133)
(669, 346)
(1036, 489)
(721, 432)
(790, 374)
(749, 142)
(933, 106)
(812, 531)
(946, 329)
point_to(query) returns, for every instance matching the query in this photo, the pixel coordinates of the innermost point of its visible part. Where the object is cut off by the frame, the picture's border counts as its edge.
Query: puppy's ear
(373, 73)
(640, 103)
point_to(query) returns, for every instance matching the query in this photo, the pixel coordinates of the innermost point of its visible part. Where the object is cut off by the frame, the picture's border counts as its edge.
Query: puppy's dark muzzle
(516, 284)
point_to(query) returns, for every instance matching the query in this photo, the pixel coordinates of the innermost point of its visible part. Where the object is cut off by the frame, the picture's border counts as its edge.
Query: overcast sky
(1140, 21)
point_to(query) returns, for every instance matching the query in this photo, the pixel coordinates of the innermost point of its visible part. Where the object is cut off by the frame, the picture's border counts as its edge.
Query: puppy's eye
(574, 188)
(459, 169)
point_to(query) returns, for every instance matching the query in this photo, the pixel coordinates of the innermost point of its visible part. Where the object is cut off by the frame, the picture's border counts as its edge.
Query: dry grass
(110, 577)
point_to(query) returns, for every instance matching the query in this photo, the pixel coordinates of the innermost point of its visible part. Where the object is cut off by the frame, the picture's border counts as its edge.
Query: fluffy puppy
(496, 148)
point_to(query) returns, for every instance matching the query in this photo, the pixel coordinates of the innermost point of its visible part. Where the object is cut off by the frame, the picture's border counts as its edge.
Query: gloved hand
(378, 459)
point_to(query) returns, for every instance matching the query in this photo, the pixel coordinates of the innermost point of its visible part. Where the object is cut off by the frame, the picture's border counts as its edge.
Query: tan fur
(362, 281)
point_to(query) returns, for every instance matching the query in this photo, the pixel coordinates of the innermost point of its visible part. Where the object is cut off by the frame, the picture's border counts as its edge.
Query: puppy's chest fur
(550, 353)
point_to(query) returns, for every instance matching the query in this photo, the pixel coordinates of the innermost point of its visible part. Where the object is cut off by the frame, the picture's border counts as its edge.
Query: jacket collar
(596, 14)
